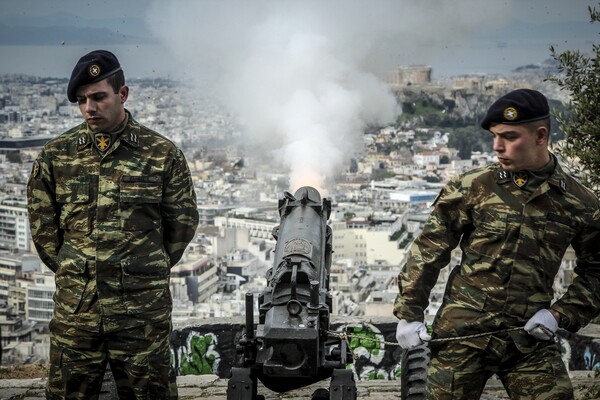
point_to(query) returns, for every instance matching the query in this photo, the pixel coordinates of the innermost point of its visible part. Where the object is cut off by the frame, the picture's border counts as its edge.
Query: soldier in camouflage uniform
(513, 221)
(112, 208)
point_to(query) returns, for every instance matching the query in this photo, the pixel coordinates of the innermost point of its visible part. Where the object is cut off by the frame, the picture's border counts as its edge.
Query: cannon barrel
(290, 347)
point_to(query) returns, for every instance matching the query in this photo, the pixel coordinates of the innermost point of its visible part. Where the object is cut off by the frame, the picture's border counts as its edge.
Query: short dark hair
(116, 80)
(542, 122)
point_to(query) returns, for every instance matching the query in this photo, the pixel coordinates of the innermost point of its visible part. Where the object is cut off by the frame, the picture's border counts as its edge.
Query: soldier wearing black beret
(513, 221)
(517, 107)
(112, 208)
(92, 67)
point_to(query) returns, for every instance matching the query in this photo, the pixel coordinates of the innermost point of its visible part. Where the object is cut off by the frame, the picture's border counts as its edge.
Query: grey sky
(523, 10)
(461, 36)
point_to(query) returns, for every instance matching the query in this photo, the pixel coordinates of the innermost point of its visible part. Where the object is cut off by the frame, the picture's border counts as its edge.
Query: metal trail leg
(342, 386)
(242, 385)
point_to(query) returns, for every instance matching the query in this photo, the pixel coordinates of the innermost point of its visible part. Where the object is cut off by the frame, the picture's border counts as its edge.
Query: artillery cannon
(291, 346)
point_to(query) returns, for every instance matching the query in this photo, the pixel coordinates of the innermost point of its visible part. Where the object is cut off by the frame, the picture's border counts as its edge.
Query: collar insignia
(102, 141)
(82, 140)
(520, 178)
(502, 174)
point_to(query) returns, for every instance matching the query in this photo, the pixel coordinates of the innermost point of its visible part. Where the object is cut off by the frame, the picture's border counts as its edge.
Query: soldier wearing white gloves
(411, 334)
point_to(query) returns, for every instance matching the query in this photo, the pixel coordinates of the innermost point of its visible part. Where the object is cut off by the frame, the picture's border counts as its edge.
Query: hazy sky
(455, 37)
(303, 78)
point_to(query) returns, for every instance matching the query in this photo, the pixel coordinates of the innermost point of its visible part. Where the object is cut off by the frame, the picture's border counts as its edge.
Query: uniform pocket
(139, 202)
(71, 282)
(461, 310)
(146, 282)
(490, 228)
(74, 200)
(559, 230)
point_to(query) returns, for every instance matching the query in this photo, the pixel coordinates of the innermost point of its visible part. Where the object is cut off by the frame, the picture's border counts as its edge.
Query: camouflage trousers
(457, 371)
(139, 358)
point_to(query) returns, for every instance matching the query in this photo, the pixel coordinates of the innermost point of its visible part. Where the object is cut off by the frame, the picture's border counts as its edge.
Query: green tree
(467, 140)
(579, 74)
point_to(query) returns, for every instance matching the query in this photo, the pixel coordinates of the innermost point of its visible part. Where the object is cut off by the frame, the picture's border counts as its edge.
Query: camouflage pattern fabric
(111, 223)
(512, 245)
(457, 371)
(139, 361)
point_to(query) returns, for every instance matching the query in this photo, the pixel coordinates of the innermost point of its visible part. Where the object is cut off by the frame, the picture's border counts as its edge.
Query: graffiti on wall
(583, 352)
(373, 357)
(211, 349)
(198, 356)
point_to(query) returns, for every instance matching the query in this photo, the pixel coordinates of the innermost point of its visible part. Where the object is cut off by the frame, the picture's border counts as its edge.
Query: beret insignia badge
(510, 113)
(94, 70)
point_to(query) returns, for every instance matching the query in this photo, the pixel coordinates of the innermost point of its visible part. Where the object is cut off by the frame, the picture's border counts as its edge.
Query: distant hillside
(459, 113)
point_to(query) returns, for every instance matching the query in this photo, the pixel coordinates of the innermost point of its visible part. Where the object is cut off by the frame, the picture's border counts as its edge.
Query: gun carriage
(291, 346)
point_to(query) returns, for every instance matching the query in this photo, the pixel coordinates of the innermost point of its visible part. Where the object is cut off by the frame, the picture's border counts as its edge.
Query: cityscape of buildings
(380, 202)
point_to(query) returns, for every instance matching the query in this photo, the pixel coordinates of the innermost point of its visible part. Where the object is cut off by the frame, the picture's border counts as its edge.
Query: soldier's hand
(542, 325)
(411, 334)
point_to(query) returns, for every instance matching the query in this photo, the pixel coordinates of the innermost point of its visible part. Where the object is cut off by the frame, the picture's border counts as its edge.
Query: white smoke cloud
(302, 76)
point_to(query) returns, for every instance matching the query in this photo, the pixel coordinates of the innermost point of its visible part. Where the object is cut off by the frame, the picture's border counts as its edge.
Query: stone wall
(209, 347)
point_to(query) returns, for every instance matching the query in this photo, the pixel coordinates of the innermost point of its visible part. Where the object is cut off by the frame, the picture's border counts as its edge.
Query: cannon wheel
(414, 373)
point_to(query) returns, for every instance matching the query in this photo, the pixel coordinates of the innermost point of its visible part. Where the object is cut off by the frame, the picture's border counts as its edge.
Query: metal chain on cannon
(346, 336)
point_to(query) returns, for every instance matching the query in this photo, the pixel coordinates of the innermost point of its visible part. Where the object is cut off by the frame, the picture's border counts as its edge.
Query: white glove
(411, 334)
(542, 325)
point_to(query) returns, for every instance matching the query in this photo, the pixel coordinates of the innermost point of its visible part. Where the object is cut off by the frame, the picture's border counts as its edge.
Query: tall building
(12, 266)
(194, 280)
(14, 226)
(40, 293)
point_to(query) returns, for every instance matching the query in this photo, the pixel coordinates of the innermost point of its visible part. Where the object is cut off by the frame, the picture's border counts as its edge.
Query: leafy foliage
(468, 140)
(579, 74)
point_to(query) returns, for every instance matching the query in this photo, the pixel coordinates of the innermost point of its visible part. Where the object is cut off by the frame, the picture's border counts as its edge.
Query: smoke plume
(305, 77)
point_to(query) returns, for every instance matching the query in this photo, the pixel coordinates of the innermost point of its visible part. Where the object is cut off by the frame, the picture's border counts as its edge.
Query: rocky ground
(28, 371)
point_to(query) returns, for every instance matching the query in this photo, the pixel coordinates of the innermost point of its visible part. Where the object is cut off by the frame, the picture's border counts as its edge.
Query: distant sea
(155, 60)
(143, 61)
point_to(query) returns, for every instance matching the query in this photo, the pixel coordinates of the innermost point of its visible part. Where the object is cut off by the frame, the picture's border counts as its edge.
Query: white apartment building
(194, 280)
(12, 266)
(40, 293)
(14, 225)
(427, 158)
(366, 246)
(256, 229)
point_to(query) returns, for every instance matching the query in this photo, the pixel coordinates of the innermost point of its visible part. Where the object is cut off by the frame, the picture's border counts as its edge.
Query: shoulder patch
(35, 170)
(437, 197)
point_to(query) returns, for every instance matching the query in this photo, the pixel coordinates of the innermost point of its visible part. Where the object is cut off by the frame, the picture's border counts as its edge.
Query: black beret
(92, 67)
(517, 107)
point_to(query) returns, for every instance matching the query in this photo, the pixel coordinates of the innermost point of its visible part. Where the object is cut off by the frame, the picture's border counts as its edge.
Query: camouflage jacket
(111, 225)
(512, 246)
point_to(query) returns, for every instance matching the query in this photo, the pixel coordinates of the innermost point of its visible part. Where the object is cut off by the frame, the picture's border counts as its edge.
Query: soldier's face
(520, 147)
(100, 106)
